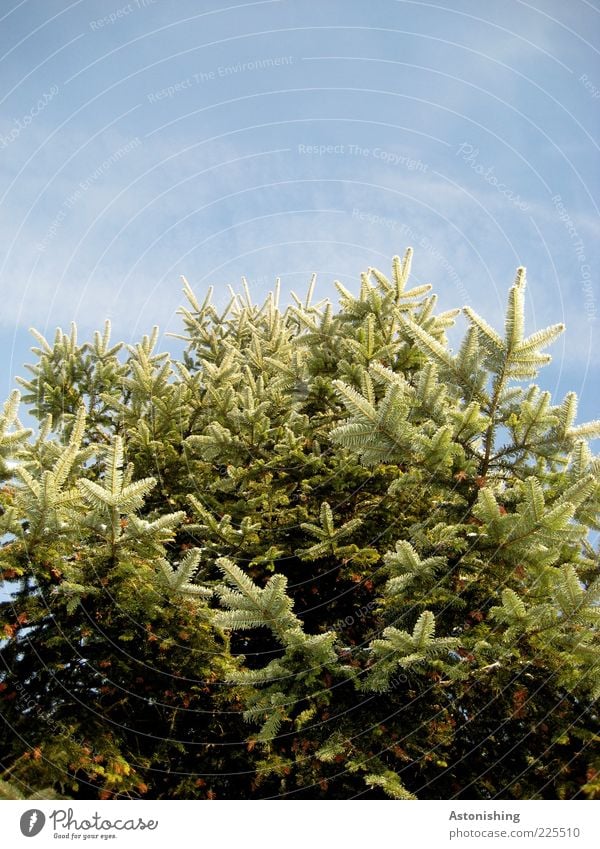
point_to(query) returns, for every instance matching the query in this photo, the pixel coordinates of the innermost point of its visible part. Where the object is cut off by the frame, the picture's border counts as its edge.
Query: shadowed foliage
(319, 556)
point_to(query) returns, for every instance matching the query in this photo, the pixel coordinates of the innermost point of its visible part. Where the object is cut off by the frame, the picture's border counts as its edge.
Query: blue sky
(141, 141)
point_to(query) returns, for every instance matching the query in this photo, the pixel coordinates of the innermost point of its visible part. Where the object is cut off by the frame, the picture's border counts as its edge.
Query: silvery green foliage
(187, 482)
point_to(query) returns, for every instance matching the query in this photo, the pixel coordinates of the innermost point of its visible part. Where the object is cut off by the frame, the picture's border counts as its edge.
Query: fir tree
(322, 555)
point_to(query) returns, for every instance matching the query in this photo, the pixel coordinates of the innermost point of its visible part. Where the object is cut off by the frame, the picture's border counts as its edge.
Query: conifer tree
(321, 556)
